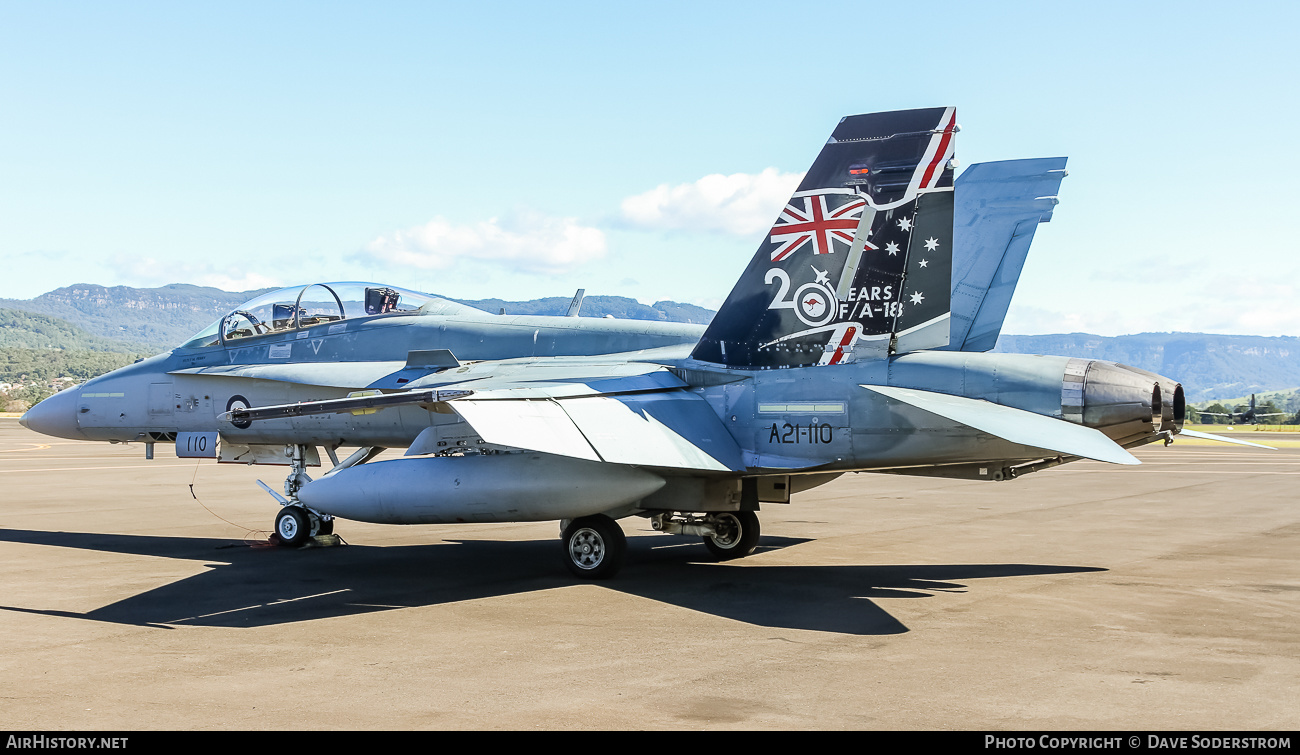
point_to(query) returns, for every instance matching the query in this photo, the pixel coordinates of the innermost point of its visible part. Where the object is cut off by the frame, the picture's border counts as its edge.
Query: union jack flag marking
(809, 219)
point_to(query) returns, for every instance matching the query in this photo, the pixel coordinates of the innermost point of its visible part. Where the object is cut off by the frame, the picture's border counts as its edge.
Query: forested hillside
(146, 316)
(28, 330)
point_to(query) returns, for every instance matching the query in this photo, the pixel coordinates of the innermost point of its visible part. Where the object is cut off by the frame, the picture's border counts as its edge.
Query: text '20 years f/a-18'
(853, 342)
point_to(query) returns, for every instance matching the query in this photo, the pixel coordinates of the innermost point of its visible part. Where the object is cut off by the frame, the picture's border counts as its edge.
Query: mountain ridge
(1209, 365)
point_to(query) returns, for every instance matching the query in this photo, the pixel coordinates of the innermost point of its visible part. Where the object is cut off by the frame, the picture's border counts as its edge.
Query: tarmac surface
(1165, 596)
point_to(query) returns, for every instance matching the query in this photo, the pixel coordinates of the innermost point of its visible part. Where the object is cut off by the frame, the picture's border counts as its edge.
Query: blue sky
(523, 150)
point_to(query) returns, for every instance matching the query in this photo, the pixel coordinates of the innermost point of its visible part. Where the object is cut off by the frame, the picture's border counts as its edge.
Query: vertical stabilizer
(998, 207)
(858, 263)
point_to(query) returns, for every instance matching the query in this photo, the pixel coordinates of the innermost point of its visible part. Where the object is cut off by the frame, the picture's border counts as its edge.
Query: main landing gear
(594, 546)
(736, 535)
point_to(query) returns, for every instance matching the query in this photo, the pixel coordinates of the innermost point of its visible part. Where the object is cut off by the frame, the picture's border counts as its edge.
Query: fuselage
(782, 419)
(185, 389)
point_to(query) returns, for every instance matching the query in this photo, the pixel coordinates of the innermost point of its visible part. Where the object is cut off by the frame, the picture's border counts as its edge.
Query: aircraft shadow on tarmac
(251, 587)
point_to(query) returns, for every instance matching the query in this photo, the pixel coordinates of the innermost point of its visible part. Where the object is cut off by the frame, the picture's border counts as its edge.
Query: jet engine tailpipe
(1130, 405)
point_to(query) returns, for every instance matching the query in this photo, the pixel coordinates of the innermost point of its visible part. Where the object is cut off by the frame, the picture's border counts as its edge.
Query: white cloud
(133, 270)
(529, 240)
(741, 203)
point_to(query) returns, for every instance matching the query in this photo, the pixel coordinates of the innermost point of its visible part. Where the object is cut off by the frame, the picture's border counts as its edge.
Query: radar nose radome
(56, 416)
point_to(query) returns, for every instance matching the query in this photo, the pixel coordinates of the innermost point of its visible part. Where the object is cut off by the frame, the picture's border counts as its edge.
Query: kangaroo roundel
(814, 304)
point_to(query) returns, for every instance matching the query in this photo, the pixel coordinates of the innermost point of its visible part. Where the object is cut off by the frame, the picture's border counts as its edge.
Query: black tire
(737, 535)
(292, 526)
(594, 547)
(324, 527)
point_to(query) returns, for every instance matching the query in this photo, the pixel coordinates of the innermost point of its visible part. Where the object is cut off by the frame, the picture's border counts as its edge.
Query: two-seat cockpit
(302, 307)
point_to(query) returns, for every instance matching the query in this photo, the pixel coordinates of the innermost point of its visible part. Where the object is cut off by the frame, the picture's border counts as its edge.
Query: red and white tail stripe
(937, 154)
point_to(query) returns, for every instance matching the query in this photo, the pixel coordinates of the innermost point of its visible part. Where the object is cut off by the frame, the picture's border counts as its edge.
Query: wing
(644, 419)
(671, 429)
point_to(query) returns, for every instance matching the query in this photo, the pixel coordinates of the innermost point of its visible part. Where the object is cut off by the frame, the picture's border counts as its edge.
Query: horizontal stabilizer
(1015, 425)
(1223, 439)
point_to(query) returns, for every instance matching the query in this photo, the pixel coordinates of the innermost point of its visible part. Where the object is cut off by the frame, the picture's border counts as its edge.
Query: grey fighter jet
(1248, 417)
(852, 342)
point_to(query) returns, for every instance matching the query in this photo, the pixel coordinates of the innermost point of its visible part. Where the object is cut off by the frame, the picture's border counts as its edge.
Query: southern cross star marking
(892, 248)
(924, 263)
(931, 244)
(905, 224)
(917, 298)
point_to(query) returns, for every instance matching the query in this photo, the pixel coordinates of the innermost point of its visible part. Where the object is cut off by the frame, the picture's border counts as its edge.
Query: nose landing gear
(295, 524)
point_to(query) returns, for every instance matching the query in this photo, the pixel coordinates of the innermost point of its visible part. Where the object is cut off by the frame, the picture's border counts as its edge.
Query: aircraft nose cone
(56, 415)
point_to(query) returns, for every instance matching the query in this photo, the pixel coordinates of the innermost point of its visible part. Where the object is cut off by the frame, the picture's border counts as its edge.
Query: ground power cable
(251, 534)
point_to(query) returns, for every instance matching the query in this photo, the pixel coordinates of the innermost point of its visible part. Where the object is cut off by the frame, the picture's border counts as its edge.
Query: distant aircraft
(852, 342)
(1248, 417)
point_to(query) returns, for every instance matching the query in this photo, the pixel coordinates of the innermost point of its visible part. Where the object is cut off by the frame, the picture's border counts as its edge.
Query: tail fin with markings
(858, 263)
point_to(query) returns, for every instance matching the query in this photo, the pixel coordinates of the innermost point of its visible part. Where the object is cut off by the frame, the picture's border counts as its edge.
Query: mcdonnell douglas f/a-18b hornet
(853, 342)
